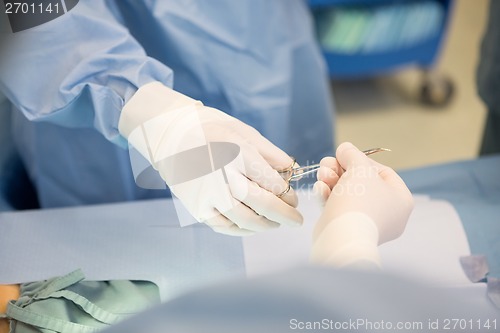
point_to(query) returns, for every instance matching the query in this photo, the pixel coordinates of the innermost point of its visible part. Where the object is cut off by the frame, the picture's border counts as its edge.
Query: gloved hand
(223, 170)
(368, 204)
(328, 175)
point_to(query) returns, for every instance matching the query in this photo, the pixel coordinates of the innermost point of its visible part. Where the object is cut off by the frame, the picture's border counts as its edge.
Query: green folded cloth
(70, 304)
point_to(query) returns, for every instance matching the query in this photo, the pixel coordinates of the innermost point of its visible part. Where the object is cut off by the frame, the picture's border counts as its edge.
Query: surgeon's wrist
(347, 241)
(150, 101)
(151, 113)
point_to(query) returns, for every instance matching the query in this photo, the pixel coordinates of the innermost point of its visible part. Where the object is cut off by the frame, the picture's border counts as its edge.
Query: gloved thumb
(349, 156)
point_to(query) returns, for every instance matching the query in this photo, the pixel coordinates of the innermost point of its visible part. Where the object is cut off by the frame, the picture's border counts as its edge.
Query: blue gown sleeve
(77, 70)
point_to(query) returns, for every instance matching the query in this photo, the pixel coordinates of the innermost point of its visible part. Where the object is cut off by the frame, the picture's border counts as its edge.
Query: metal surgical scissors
(294, 174)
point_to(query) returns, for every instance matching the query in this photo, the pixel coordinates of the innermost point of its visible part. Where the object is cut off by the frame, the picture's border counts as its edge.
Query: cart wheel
(436, 90)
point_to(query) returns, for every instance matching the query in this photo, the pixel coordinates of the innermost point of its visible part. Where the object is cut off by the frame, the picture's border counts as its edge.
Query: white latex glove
(328, 175)
(368, 204)
(222, 170)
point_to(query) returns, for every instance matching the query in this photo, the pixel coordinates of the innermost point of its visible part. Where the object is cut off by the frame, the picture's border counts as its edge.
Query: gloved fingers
(332, 163)
(259, 171)
(237, 132)
(321, 192)
(247, 219)
(349, 156)
(290, 197)
(273, 155)
(221, 224)
(264, 202)
(329, 171)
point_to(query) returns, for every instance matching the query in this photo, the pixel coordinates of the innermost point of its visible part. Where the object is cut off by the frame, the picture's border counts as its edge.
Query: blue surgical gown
(68, 79)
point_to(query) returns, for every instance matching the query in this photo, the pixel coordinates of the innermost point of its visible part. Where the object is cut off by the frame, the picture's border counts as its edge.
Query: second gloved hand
(366, 187)
(222, 170)
(367, 204)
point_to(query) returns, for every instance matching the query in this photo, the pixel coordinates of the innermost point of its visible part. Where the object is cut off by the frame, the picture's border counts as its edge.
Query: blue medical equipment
(435, 89)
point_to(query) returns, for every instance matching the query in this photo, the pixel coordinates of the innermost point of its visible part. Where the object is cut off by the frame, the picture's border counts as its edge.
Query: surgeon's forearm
(350, 240)
(88, 74)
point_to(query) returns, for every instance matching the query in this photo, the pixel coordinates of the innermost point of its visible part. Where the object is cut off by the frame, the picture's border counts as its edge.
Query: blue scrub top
(68, 80)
